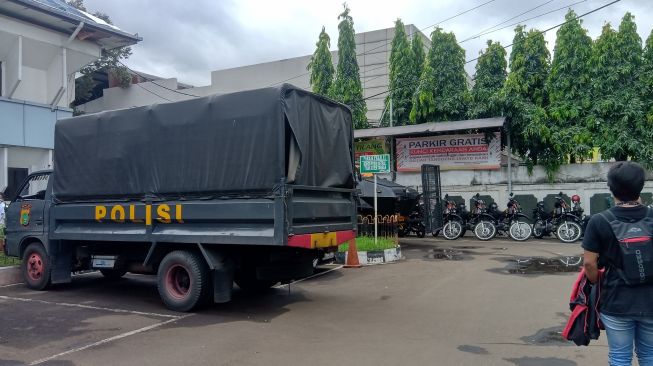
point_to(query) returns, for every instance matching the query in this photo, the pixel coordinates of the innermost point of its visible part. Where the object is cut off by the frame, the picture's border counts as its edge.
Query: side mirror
(446, 196)
(511, 194)
(560, 194)
(477, 195)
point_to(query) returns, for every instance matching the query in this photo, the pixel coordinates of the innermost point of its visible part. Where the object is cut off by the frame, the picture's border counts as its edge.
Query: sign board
(375, 163)
(369, 147)
(470, 151)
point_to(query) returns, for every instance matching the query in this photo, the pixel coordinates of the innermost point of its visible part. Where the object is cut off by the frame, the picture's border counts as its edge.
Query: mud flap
(222, 271)
(61, 258)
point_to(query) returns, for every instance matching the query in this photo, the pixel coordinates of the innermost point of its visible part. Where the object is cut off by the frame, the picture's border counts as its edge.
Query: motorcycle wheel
(538, 232)
(485, 230)
(421, 231)
(520, 230)
(452, 230)
(569, 232)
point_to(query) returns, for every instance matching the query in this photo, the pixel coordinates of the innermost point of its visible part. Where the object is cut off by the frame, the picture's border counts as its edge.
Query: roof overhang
(63, 18)
(432, 127)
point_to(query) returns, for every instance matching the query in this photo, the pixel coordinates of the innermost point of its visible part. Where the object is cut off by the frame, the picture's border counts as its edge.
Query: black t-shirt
(617, 298)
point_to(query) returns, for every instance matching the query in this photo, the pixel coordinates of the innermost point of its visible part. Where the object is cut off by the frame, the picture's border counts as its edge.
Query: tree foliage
(417, 46)
(617, 119)
(647, 78)
(347, 86)
(489, 79)
(441, 94)
(109, 62)
(402, 71)
(526, 100)
(321, 65)
(568, 89)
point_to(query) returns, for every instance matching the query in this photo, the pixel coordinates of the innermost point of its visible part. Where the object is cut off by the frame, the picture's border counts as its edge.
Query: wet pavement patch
(540, 361)
(473, 349)
(547, 337)
(541, 265)
(451, 254)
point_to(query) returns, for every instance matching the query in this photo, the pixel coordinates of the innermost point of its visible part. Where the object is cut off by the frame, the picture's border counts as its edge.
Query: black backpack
(636, 247)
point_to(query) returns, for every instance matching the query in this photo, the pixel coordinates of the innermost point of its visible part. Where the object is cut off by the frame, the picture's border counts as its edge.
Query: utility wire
(506, 21)
(151, 80)
(150, 91)
(491, 31)
(524, 20)
(389, 41)
(510, 45)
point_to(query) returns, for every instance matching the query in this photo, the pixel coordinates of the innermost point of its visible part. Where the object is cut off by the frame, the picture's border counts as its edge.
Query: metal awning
(432, 127)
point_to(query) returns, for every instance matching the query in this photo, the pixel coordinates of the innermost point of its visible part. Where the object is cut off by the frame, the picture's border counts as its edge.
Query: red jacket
(584, 324)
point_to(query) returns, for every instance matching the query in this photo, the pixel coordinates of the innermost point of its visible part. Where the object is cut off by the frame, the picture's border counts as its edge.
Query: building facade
(43, 43)
(373, 50)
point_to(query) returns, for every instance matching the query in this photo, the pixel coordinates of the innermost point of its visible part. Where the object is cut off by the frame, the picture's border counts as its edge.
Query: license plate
(103, 263)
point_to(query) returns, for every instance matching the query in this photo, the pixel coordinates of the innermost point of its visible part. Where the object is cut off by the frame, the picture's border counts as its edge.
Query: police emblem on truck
(25, 214)
(162, 213)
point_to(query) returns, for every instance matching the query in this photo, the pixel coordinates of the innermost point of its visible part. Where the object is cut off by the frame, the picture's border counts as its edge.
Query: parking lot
(449, 303)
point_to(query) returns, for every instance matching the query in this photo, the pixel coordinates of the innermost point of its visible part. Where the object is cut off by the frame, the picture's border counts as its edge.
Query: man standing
(619, 240)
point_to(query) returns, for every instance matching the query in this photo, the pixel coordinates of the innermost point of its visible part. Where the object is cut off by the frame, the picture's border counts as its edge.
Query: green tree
(321, 65)
(442, 90)
(417, 47)
(568, 88)
(525, 101)
(489, 79)
(617, 119)
(401, 76)
(647, 78)
(347, 86)
(109, 62)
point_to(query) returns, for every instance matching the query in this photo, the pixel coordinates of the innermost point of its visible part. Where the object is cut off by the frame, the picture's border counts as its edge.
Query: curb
(373, 257)
(10, 275)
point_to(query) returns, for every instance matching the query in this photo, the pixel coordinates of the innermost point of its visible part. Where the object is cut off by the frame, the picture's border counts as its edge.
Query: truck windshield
(34, 188)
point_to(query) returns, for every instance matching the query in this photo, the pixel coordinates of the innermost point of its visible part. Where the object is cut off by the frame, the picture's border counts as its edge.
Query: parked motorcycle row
(565, 222)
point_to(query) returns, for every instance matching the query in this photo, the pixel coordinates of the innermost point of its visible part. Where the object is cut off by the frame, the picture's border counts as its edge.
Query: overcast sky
(189, 39)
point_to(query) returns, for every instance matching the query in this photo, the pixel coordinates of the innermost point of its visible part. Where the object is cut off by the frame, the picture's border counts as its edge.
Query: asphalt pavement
(448, 303)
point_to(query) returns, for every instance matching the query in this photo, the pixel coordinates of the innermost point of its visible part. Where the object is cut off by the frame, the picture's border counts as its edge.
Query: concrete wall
(586, 180)
(33, 159)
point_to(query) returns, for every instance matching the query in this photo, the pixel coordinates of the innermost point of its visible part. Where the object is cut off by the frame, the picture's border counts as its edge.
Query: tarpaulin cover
(237, 142)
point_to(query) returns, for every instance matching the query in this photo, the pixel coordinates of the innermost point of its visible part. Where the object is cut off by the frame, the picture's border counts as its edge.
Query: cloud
(189, 39)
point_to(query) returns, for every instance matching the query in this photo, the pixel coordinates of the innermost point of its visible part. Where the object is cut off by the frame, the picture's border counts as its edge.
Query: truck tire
(36, 267)
(113, 274)
(183, 280)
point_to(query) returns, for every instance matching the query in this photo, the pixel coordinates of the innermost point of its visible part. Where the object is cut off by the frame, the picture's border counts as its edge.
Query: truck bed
(264, 220)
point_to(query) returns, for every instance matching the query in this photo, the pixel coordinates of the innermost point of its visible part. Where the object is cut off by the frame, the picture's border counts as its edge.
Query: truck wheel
(113, 274)
(183, 280)
(35, 267)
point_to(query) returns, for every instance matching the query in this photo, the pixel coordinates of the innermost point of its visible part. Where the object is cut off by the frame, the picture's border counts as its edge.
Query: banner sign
(369, 147)
(449, 152)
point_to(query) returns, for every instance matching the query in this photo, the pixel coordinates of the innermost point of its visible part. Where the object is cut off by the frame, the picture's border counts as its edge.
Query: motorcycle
(414, 223)
(481, 221)
(511, 221)
(562, 222)
(454, 223)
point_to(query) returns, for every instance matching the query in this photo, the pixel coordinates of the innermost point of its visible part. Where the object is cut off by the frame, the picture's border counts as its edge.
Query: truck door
(26, 213)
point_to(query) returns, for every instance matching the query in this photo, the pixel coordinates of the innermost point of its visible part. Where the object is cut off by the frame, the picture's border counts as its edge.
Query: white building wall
(372, 47)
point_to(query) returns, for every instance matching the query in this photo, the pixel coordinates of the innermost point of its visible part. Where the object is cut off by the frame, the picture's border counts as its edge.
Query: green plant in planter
(366, 244)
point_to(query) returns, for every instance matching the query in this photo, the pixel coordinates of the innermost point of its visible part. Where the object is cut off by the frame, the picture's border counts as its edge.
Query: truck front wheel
(183, 280)
(36, 267)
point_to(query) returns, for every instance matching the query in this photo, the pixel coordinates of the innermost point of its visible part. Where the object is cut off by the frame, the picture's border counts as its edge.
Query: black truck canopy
(235, 143)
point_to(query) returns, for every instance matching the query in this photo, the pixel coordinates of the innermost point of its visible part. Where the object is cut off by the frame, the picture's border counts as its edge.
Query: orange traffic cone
(352, 255)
